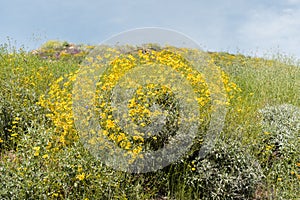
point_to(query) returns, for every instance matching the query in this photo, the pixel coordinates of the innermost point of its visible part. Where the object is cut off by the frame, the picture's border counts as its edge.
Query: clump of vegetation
(41, 154)
(55, 50)
(232, 174)
(280, 142)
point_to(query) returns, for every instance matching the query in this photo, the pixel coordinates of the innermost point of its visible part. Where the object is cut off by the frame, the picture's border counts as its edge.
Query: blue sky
(255, 27)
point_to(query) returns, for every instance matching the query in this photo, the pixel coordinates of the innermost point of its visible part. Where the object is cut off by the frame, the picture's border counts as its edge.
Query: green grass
(256, 156)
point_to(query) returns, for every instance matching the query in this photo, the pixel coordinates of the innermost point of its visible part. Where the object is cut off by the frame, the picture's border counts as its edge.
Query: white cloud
(293, 2)
(268, 29)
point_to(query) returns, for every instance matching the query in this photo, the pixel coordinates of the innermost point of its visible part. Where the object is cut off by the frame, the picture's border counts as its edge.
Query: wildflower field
(43, 156)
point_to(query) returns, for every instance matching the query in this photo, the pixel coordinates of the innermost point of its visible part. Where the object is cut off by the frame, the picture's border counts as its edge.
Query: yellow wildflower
(36, 148)
(110, 124)
(79, 168)
(269, 147)
(45, 156)
(37, 151)
(80, 176)
(55, 195)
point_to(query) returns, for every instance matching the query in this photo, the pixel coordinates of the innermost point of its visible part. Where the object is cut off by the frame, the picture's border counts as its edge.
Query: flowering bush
(142, 107)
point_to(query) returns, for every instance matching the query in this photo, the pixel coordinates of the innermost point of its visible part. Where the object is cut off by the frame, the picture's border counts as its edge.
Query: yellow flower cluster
(59, 104)
(140, 107)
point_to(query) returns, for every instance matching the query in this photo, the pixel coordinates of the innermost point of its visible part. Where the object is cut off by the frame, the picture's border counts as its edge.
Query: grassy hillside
(41, 157)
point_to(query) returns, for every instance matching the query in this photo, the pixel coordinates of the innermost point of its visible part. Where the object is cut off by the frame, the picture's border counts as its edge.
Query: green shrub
(227, 172)
(281, 137)
(279, 148)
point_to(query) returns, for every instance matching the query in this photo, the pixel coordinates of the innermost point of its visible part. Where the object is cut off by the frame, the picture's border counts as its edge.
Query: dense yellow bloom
(149, 102)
